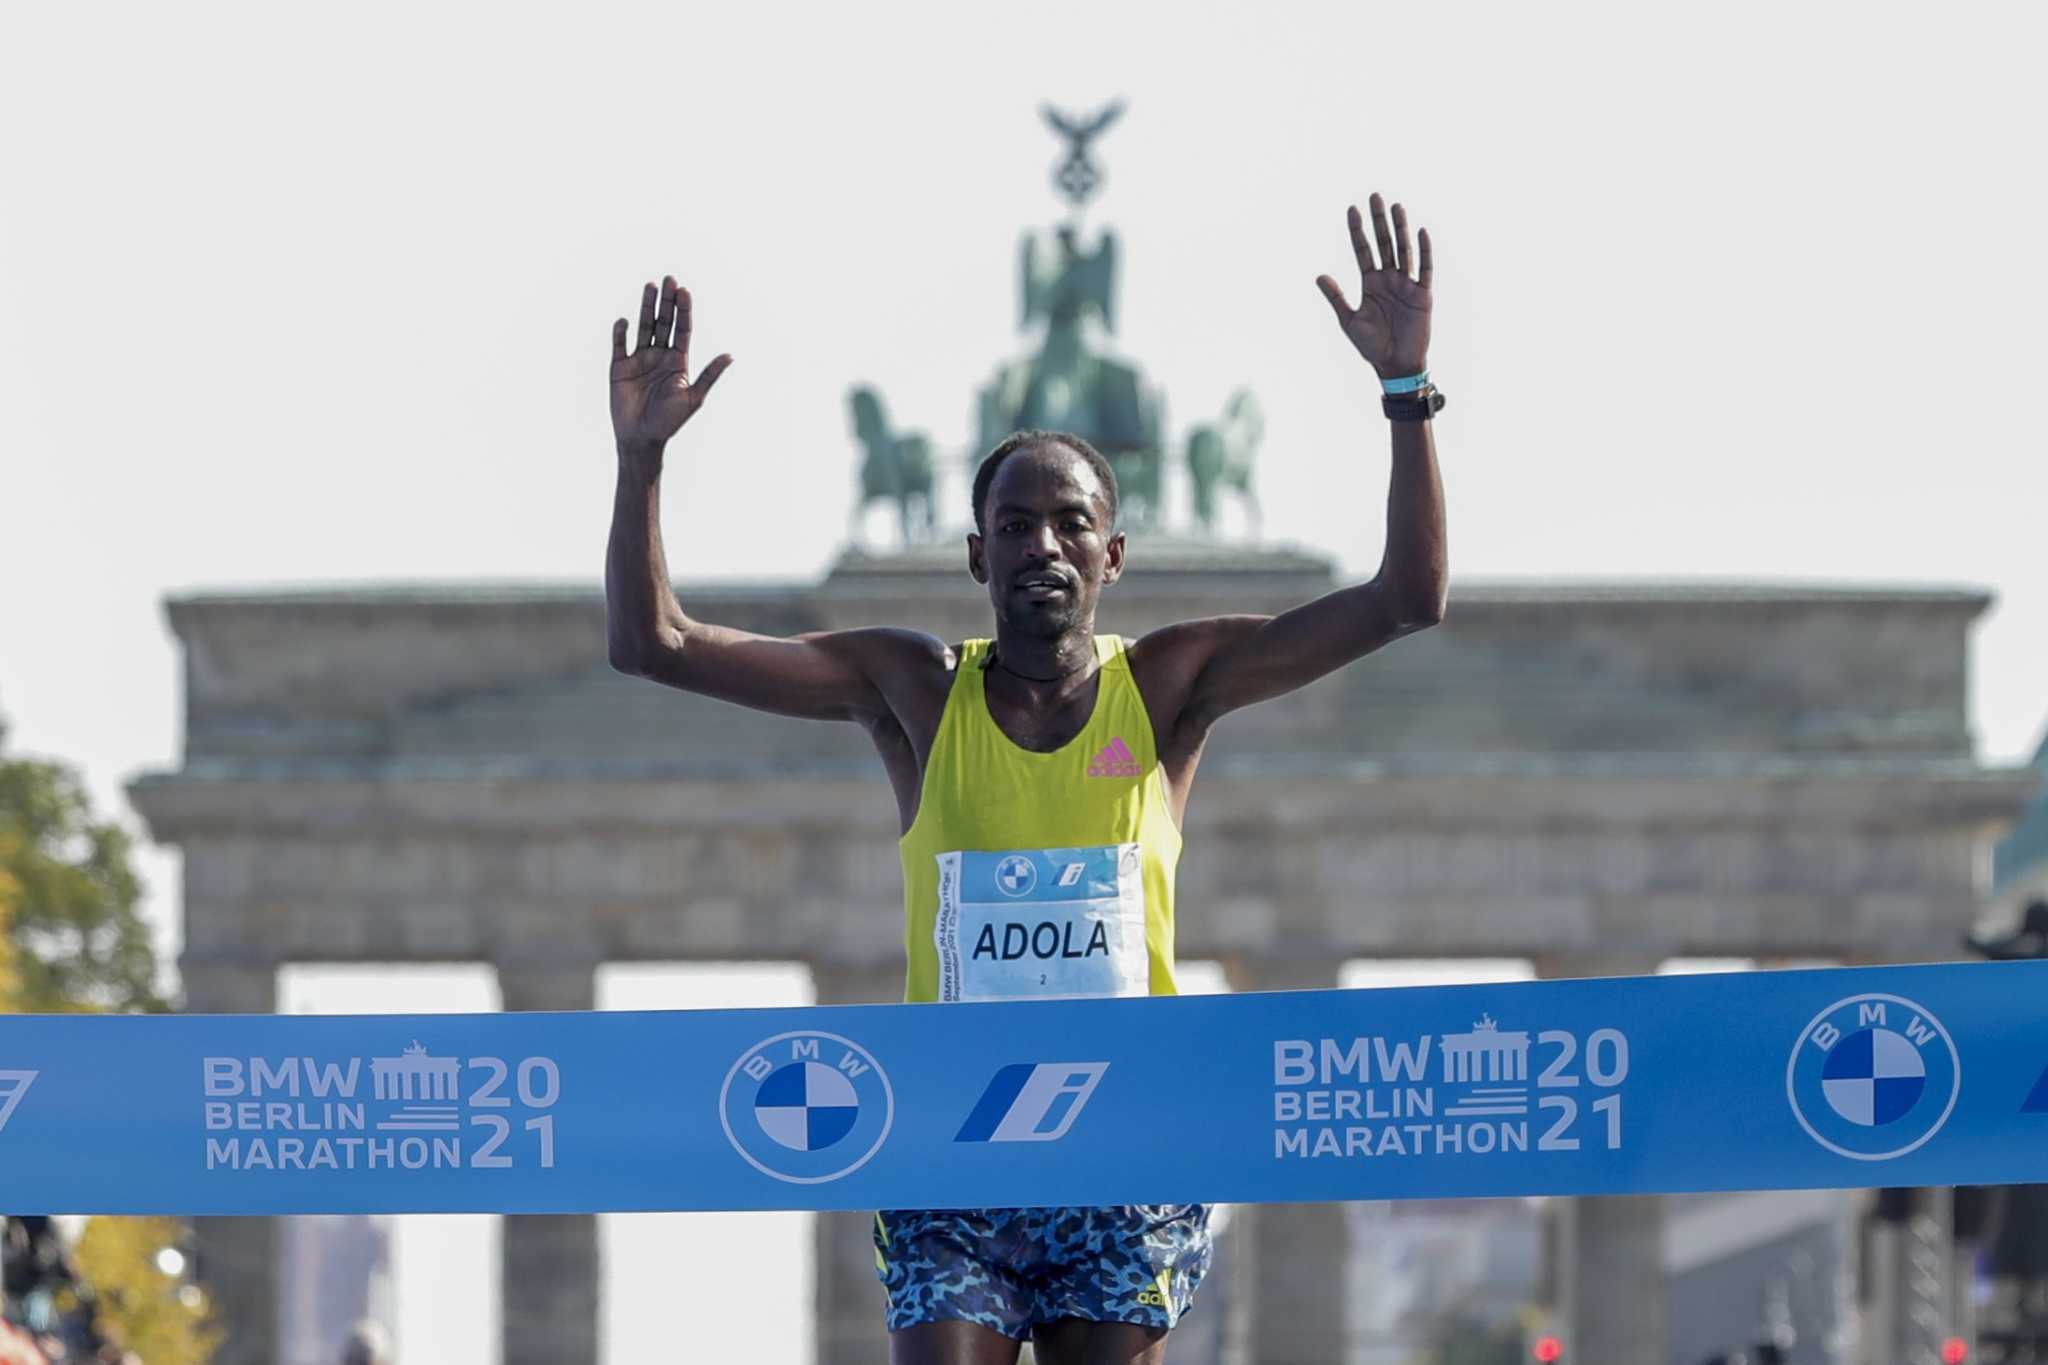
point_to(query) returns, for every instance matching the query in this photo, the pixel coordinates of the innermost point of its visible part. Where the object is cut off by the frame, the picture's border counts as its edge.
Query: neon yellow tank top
(1028, 874)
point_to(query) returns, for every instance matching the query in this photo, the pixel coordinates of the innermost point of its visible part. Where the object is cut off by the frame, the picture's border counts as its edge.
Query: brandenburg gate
(1595, 778)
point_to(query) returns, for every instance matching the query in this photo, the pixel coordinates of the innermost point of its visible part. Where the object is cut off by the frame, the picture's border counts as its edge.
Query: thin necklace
(996, 659)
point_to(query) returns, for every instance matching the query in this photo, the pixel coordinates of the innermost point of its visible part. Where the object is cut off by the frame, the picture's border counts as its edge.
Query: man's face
(1048, 551)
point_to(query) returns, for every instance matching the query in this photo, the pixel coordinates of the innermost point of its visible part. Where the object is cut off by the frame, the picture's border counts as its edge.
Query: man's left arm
(1228, 662)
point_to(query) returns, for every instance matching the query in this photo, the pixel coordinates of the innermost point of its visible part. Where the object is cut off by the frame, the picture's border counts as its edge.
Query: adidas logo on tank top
(1115, 760)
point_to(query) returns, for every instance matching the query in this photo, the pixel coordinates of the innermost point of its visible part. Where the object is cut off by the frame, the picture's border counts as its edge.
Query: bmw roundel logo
(1015, 876)
(1873, 1076)
(806, 1107)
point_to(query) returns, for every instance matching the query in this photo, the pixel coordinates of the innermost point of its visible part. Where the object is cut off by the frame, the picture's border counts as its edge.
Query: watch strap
(1425, 403)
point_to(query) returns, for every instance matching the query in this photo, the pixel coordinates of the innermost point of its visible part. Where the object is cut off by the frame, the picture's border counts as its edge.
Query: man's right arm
(829, 675)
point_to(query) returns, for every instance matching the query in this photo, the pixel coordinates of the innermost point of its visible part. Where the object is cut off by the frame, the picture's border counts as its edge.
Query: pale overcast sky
(293, 296)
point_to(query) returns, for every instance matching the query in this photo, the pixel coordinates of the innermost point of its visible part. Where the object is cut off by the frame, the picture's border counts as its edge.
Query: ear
(1113, 565)
(977, 564)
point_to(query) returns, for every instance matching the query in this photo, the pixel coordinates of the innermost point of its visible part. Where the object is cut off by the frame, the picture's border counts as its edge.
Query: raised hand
(652, 395)
(1390, 326)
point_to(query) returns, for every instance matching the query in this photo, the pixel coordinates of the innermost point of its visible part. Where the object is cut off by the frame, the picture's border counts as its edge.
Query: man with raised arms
(1040, 778)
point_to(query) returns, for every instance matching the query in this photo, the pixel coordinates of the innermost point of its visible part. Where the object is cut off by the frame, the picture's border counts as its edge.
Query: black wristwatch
(1419, 406)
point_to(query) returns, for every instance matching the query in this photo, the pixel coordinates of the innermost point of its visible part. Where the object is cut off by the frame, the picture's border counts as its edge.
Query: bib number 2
(1048, 923)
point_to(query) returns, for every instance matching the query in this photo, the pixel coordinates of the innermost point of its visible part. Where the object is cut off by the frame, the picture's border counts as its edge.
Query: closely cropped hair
(986, 475)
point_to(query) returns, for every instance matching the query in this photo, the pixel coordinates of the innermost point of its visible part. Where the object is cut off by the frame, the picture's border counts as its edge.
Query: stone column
(1911, 1306)
(1227, 1292)
(1294, 1259)
(1613, 1301)
(240, 1259)
(1882, 1281)
(549, 1270)
(851, 1309)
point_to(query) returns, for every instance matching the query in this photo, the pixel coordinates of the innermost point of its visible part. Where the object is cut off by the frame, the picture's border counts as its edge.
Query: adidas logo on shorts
(1115, 760)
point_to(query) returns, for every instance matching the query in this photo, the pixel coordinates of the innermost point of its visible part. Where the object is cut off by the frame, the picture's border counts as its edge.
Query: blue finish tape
(1807, 1079)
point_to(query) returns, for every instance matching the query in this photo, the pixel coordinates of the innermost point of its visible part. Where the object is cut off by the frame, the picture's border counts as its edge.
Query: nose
(1042, 543)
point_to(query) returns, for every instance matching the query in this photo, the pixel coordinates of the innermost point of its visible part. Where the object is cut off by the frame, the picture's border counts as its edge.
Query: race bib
(1045, 922)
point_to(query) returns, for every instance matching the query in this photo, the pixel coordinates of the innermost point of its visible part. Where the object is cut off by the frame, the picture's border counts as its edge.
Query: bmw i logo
(1873, 1077)
(806, 1107)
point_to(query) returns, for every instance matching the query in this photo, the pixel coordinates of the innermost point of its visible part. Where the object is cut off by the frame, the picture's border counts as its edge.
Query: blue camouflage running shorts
(1013, 1269)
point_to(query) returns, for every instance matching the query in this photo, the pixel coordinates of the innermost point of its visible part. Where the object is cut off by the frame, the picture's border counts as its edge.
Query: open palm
(652, 395)
(1390, 325)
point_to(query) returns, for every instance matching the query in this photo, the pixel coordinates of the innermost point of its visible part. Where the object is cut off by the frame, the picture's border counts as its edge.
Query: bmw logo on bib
(1015, 876)
(1873, 1076)
(806, 1107)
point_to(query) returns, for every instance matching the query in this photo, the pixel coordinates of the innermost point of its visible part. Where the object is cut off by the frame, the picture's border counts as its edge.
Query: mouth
(1042, 586)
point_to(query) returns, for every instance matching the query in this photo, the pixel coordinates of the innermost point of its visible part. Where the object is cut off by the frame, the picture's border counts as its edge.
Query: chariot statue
(1071, 383)
(1070, 380)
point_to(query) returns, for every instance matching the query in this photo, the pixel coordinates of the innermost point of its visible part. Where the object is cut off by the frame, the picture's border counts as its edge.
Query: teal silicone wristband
(1408, 385)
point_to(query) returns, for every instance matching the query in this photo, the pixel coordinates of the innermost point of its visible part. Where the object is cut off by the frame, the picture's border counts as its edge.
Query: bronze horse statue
(1220, 456)
(896, 467)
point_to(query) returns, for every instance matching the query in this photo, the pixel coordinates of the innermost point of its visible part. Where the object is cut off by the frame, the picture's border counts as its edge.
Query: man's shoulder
(1167, 663)
(901, 662)
(1188, 645)
(893, 648)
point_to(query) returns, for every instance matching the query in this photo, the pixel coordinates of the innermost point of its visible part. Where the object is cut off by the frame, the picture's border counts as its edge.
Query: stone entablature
(1711, 672)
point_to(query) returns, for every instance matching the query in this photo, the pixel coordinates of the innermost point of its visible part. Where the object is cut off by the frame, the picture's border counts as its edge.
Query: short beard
(1044, 623)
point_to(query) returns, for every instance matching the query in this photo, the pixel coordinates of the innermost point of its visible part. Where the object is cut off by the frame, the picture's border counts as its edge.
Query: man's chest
(1041, 729)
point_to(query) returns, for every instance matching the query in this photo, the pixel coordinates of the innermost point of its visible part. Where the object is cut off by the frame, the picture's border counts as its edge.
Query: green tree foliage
(1463, 1339)
(71, 939)
(76, 940)
(10, 897)
(157, 1316)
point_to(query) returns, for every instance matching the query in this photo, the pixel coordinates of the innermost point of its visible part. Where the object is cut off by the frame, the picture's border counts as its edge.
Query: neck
(1037, 659)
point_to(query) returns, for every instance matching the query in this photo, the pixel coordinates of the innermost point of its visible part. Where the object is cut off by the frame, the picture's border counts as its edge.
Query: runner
(1040, 778)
